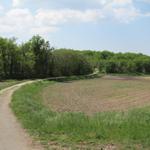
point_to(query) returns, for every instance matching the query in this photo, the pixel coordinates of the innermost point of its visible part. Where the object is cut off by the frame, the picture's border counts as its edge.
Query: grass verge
(127, 130)
(8, 83)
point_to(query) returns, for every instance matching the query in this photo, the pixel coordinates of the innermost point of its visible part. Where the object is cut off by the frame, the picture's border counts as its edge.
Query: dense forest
(125, 63)
(37, 59)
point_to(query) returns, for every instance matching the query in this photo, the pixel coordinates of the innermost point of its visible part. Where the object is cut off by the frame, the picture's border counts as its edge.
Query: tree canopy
(36, 58)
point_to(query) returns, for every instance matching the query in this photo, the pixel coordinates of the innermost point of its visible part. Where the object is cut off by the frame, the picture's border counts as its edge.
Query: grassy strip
(73, 78)
(8, 83)
(129, 129)
(129, 74)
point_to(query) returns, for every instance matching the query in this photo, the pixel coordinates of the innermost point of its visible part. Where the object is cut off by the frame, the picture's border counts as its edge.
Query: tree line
(126, 63)
(36, 58)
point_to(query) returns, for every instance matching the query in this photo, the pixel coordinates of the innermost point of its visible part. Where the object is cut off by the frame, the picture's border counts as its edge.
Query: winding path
(12, 136)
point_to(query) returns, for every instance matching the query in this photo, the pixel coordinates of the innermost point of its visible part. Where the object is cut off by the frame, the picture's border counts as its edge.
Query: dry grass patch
(7, 83)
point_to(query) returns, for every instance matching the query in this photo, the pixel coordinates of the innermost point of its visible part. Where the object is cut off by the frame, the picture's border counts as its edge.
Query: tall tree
(42, 52)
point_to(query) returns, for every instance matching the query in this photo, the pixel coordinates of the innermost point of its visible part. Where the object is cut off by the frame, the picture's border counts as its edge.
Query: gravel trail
(12, 135)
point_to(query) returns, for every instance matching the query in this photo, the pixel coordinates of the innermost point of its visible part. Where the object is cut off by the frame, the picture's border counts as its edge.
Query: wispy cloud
(43, 21)
(56, 17)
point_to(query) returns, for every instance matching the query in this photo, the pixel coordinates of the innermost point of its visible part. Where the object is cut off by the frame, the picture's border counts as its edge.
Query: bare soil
(12, 136)
(110, 93)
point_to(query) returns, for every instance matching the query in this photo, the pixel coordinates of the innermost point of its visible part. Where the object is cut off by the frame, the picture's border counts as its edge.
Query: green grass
(129, 74)
(127, 130)
(7, 83)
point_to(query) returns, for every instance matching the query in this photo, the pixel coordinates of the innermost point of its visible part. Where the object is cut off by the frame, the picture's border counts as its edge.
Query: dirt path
(12, 136)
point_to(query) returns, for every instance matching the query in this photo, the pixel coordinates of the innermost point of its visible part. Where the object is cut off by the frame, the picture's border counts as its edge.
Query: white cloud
(115, 2)
(16, 3)
(121, 10)
(17, 21)
(126, 15)
(22, 21)
(55, 17)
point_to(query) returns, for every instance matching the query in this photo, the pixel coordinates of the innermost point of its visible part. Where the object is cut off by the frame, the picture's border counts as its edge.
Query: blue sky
(116, 25)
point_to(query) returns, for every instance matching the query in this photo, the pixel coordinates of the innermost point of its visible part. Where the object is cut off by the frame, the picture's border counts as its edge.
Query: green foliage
(42, 56)
(127, 128)
(26, 61)
(109, 62)
(37, 59)
(8, 55)
(126, 63)
(69, 62)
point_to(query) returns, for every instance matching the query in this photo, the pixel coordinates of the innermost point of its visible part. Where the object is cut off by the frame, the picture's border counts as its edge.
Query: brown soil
(109, 93)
